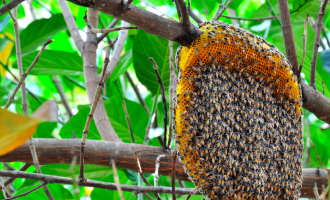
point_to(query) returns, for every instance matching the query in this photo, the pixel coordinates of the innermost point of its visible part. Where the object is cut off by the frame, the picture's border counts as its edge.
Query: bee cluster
(237, 117)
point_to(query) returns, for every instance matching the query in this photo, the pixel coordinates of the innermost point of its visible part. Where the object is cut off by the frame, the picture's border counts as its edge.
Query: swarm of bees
(237, 116)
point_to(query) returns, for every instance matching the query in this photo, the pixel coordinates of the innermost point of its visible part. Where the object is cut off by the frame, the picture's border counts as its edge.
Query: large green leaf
(124, 62)
(146, 46)
(40, 31)
(77, 123)
(53, 62)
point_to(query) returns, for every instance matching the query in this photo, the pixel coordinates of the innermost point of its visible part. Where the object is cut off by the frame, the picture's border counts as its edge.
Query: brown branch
(161, 85)
(12, 4)
(10, 180)
(11, 15)
(145, 20)
(137, 92)
(174, 159)
(317, 42)
(184, 13)
(24, 75)
(191, 193)
(109, 30)
(193, 15)
(286, 26)
(95, 184)
(99, 152)
(171, 92)
(218, 14)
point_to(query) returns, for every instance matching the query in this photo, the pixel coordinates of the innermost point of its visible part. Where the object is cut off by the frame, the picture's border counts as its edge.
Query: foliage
(62, 59)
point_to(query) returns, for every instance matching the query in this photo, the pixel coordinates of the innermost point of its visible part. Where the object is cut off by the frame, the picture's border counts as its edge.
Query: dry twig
(252, 19)
(317, 42)
(184, 13)
(137, 92)
(171, 92)
(156, 169)
(91, 113)
(28, 192)
(191, 193)
(128, 121)
(64, 99)
(115, 177)
(141, 174)
(24, 75)
(316, 192)
(317, 156)
(174, 156)
(10, 180)
(103, 35)
(162, 89)
(218, 14)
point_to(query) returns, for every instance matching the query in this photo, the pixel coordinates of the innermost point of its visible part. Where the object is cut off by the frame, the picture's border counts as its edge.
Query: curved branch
(100, 152)
(145, 20)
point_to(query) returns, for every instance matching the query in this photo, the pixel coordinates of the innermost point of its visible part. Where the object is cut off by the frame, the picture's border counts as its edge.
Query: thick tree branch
(147, 21)
(99, 153)
(286, 26)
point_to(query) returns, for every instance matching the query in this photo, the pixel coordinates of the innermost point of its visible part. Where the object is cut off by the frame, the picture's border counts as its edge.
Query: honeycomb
(237, 116)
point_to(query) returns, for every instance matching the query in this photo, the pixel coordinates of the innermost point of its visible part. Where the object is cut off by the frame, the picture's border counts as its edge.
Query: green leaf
(45, 130)
(40, 31)
(146, 46)
(3, 43)
(3, 22)
(124, 62)
(53, 62)
(77, 123)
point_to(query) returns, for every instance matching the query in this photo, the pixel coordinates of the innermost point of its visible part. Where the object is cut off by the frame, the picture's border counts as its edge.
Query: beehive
(237, 116)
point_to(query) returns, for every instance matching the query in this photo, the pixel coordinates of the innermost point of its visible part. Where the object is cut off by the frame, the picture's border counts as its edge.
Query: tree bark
(100, 153)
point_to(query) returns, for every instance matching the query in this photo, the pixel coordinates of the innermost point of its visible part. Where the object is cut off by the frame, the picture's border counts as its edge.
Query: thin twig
(308, 145)
(252, 19)
(141, 174)
(304, 47)
(28, 192)
(128, 121)
(184, 13)
(157, 168)
(103, 35)
(23, 93)
(137, 92)
(118, 48)
(57, 82)
(218, 14)
(90, 116)
(115, 177)
(220, 7)
(70, 22)
(317, 42)
(316, 193)
(318, 157)
(171, 92)
(313, 24)
(96, 184)
(191, 193)
(323, 87)
(174, 156)
(159, 79)
(24, 75)
(109, 30)
(194, 16)
(10, 180)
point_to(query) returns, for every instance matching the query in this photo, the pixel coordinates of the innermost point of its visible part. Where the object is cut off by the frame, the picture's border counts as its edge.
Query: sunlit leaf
(40, 31)
(16, 129)
(53, 62)
(5, 50)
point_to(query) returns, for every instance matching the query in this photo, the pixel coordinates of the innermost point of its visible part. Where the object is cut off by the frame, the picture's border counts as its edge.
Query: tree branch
(57, 82)
(12, 4)
(145, 20)
(317, 42)
(103, 35)
(286, 26)
(92, 79)
(100, 152)
(71, 23)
